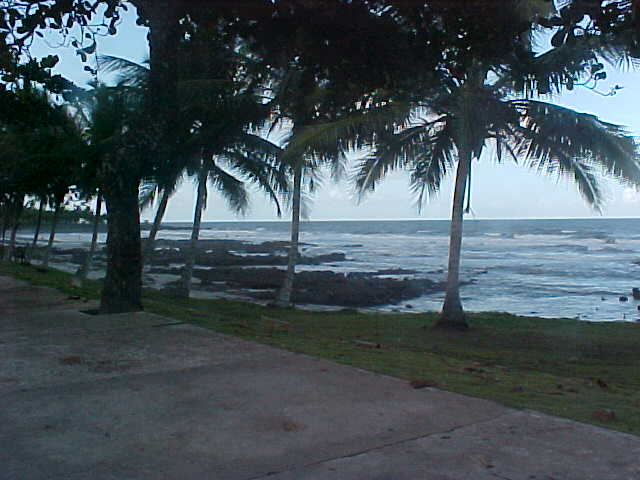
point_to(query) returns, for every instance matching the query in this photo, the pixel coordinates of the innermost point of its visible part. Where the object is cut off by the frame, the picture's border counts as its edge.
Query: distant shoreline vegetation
(77, 216)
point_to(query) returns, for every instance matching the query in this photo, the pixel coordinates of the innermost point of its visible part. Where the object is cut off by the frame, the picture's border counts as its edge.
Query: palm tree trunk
(157, 221)
(17, 207)
(6, 224)
(36, 234)
(452, 316)
(190, 256)
(5, 221)
(52, 234)
(12, 242)
(122, 291)
(86, 268)
(283, 298)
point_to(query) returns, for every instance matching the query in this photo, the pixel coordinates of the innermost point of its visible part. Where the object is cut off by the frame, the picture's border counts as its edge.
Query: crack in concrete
(501, 477)
(381, 447)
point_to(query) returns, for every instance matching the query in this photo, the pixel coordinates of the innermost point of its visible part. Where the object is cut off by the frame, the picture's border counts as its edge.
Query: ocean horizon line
(410, 219)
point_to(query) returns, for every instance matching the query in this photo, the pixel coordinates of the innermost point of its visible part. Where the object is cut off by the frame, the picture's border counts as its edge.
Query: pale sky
(498, 191)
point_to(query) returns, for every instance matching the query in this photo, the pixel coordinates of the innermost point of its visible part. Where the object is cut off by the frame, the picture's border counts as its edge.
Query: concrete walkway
(137, 396)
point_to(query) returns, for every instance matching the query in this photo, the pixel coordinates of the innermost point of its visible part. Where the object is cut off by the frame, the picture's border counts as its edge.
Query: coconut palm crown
(466, 118)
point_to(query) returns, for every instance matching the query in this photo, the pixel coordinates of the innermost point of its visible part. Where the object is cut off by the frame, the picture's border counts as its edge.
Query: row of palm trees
(42, 151)
(223, 151)
(468, 118)
(481, 97)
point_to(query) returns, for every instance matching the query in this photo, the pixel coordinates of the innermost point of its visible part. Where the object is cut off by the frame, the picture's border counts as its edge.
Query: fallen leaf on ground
(291, 426)
(604, 415)
(72, 360)
(422, 383)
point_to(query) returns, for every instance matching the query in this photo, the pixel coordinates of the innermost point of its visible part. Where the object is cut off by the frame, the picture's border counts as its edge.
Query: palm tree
(251, 157)
(283, 297)
(303, 160)
(327, 143)
(233, 191)
(36, 234)
(149, 191)
(226, 122)
(41, 146)
(58, 203)
(83, 271)
(457, 128)
(299, 103)
(120, 158)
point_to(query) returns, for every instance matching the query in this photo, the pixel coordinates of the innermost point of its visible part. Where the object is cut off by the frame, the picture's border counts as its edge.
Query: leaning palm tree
(227, 172)
(234, 192)
(36, 234)
(165, 187)
(455, 131)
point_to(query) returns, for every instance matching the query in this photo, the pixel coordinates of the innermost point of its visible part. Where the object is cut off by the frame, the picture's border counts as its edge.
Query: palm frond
(256, 158)
(129, 72)
(411, 147)
(432, 165)
(147, 194)
(256, 143)
(269, 178)
(576, 144)
(502, 144)
(306, 202)
(314, 179)
(587, 184)
(231, 189)
(329, 141)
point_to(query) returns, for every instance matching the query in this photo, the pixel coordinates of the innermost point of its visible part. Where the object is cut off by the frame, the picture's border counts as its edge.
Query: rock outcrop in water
(321, 288)
(235, 267)
(358, 289)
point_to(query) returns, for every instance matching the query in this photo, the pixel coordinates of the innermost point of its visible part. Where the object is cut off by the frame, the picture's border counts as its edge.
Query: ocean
(575, 268)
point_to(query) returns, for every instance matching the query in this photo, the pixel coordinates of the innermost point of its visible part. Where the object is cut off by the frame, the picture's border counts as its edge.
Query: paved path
(138, 396)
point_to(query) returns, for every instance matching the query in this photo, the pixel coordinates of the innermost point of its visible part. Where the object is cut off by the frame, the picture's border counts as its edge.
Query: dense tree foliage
(41, 155)
(343, 73)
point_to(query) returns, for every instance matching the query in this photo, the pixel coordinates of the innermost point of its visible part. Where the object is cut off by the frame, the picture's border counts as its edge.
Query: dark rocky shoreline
(249, 269)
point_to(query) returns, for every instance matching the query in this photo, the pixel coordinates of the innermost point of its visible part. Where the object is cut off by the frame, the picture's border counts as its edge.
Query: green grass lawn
(569, 368)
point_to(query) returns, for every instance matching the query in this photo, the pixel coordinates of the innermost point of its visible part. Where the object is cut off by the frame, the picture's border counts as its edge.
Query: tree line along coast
(425, 87)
